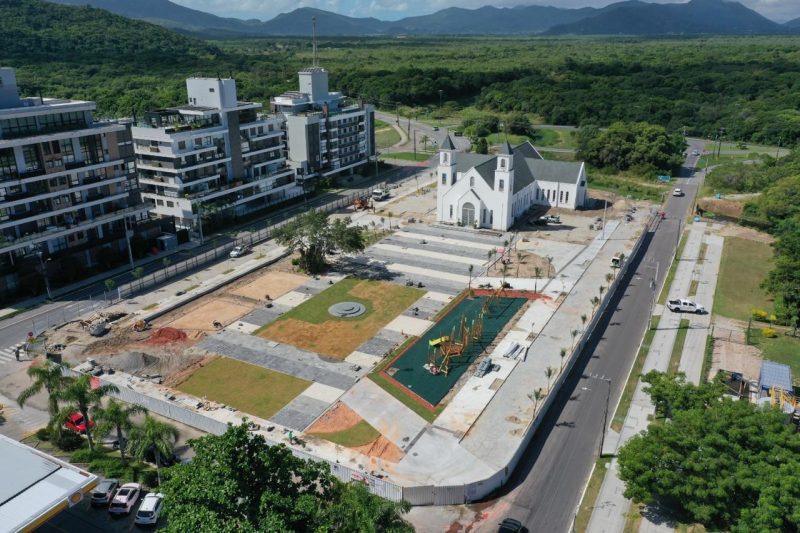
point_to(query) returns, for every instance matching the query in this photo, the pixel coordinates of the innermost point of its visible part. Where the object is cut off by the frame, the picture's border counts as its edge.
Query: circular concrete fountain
(347, 309)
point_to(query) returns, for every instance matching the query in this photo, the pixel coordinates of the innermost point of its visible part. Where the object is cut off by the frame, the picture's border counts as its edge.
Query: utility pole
(44, 273)
(200, 219)
(415, 145)
(605, 415)
(128, 235)
(603, 229)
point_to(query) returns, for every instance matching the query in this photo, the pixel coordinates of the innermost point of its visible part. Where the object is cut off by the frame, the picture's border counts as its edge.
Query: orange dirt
(166, 336)
(381, 448)
(337, 418)
(274, 284)
(729, 208)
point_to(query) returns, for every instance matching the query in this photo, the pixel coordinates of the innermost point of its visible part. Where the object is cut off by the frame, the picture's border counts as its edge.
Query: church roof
(528, 167)
(505, 148)
(448, 143)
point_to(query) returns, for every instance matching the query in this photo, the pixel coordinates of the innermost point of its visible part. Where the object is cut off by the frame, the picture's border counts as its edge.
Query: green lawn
(744, 266)
(677, 348)
(499, 138)
(554, 138)
(628, 187)
(557, 156)
(358, 435)
(386, 137)
(782, 349)
(251, 389)
(756, 148)
(379, 124)
(712, 160)
(408, 156)
(590, 496)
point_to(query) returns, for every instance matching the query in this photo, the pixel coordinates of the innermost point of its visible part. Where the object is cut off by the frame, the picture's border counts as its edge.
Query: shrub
(150, 478)
(42, 434)
(759, 314)
(769, 333)
(772, 319)
(68, 441)
(84, 455)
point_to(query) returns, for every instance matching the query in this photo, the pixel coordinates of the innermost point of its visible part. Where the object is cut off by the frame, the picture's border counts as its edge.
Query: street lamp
(128, 235)
(44, 271)
(605, 415)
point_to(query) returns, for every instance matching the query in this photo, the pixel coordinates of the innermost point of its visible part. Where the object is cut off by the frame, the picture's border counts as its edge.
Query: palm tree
(562, 354)
(504, 271)
(595, 302)
(469, 286)
(116, 417)
(583, 321)
(601, 290)
(549, 372)
(549, 265)
(537, 272)
(79, 395)
(155, 435)
(48, 377)
(520, 257)
(536, 396)
(609, 277)
(424, 140)
(574, 334)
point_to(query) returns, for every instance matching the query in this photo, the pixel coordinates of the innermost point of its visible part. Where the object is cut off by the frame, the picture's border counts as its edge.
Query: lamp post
(605, 415)
(128, 236)
(44, 272)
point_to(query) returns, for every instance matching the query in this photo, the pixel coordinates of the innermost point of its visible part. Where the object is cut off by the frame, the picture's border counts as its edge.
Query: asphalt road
(546, 487)
(84, 300)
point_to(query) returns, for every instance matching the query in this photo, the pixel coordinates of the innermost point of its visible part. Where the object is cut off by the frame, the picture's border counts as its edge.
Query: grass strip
(662, 298)
(677, 348)
(707, 356)
(589, 500)
(358, 435)
(630, 386)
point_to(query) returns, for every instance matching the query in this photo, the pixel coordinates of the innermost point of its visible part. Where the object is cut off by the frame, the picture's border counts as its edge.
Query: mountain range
(632, 17)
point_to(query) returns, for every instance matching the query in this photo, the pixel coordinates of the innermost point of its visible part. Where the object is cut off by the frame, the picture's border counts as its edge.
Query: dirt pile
(166, 336)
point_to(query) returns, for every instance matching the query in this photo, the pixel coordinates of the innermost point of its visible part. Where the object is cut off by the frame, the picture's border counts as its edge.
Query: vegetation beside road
(744, 266)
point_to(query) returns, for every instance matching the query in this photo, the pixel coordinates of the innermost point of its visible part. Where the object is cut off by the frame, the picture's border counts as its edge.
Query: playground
(431, 366)
(311, 327)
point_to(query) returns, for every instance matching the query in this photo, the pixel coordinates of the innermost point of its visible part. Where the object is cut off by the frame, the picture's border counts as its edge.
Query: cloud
(780, 10)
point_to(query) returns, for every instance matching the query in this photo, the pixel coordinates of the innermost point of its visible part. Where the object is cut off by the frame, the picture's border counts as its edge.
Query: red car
(76, 423)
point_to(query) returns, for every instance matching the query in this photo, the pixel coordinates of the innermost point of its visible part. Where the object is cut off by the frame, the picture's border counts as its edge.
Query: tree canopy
(724, 463)
(237, 483)
(641, 146)
(313, 235)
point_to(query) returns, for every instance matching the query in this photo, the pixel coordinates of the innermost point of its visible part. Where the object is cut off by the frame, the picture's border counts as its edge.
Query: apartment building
(69, 199)
(213, 155)
(327, 134)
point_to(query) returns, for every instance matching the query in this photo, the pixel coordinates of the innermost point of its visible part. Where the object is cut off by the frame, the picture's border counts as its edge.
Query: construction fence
(158, 277)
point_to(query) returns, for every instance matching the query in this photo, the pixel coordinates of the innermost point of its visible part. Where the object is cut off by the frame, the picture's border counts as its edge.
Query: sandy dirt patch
(201, 318)
(730, 351)
(336, 418)
(734, 230)
(382, 449)
(272, 284)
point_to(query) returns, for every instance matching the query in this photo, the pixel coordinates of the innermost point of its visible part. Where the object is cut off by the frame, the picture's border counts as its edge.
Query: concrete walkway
(611, 507)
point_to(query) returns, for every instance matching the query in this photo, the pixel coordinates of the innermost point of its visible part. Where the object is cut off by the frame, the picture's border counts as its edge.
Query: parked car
(125, 498)
(681, 305)
(149, 510)
(551, 219)
(695, 152)
(458, 133)
(76, 423)
(239, 251)
(104, 491)
(677, 192)
(511, 525)
(436, 128)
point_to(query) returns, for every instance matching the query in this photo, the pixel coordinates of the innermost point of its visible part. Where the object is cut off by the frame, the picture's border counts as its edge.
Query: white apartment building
(215, 154)
(69, 200)
(493, 191)
(326, 134)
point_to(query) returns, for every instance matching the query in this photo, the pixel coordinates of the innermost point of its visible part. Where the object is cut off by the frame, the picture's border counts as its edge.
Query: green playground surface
(408, 369)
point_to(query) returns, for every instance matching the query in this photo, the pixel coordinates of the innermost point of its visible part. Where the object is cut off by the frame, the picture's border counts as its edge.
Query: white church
(491, 191)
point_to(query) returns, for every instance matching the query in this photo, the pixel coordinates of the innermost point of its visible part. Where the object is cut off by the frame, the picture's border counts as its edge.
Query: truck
(682, 305)
(380, 195)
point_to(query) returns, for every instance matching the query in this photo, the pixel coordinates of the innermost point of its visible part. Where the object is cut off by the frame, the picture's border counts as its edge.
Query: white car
(104, 491)
(677, 192)
(125, 498)
(239, 251)
(150, 509)
(681, 305)
(695, 152)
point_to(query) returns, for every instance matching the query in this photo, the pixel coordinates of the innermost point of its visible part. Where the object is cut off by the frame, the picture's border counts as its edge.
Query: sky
(778, 10)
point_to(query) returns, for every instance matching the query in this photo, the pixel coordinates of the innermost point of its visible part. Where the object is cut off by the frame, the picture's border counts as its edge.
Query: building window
(181, 145)
(583, 183)
(444, 178)
(451, 210)
(560, 196)
(502, 163)
(170, 204)
(472, 181)
(211, 89)
(501, 185)
(566, 197)
(491, 217)
(537, 194)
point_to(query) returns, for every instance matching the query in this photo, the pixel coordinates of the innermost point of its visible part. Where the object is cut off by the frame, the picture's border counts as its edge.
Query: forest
(749, 86)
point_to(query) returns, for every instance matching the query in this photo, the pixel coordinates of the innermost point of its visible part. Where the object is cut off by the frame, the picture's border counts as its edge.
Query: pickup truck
(685, 306)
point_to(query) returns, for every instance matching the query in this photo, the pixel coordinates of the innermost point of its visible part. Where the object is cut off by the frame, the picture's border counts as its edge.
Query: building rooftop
(775, 375)
(36, 486)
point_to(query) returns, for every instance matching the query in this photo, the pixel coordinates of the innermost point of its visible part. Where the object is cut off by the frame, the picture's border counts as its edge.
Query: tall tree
(314, 236)
(236, 482)
(80, 395)
(154, 435)
(116, 416)
(48, 377)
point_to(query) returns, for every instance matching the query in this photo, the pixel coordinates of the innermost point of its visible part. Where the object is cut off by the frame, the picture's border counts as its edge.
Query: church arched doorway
(468, 214)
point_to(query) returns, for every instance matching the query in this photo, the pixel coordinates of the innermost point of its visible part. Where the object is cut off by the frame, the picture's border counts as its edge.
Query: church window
(451, 210)
(501, 185)
(560, 196)
(444, 178)
(491, 217)
(566, 197)
(502, 163)
(472, 181)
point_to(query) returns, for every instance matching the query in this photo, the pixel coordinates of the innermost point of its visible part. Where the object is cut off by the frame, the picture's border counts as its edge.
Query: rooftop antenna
(314, 40)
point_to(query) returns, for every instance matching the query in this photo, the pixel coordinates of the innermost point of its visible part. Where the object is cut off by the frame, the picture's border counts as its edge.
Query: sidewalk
(611, 507)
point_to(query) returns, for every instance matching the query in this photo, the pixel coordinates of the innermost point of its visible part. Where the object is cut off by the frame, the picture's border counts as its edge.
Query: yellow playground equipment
(444, 348)
(780, 397)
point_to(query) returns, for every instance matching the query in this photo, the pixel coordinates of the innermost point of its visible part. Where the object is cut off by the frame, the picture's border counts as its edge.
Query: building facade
(326, 135)
(69, 199)
(213, 154)
(493, 191)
